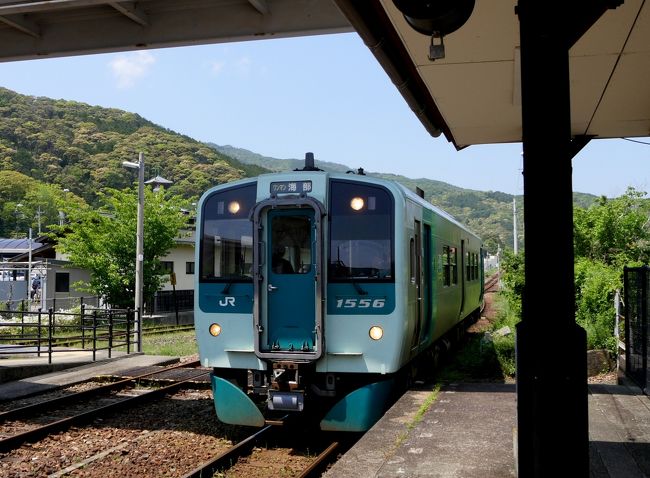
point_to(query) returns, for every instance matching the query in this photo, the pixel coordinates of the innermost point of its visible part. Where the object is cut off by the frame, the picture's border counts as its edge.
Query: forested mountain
(81, 148)
(57, 150)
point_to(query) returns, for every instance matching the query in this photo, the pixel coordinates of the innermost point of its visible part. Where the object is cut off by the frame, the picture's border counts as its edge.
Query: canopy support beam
(552, 403)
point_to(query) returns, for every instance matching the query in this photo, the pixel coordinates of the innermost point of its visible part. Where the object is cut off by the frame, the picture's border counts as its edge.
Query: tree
(611, 234)
(104, 242)
(614, 231)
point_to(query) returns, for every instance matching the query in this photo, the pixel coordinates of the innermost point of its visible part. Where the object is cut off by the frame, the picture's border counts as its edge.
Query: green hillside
(81, 148)
(57, 150)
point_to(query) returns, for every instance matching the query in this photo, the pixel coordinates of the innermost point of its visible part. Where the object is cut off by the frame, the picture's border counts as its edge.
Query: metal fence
(169, 301)
(637, 308)
(48, 332)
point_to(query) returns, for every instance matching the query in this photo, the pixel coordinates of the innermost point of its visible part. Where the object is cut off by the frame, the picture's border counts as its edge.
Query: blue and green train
(317, 292)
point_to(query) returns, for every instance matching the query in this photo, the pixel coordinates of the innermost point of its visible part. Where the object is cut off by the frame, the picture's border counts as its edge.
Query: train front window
(227, 241)
(361, 239)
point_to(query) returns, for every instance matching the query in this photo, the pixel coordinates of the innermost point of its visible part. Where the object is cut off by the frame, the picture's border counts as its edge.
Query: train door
(463, 275)
(287, 312)
(426, 283)
(290, 280)
(416, 279)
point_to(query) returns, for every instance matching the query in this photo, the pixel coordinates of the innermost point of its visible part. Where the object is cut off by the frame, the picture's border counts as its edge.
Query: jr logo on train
(317, 293)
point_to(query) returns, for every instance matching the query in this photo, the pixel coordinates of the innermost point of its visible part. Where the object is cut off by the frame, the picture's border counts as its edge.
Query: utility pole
(39, 213)
(139, 253)
(29, 273)
(514, 225)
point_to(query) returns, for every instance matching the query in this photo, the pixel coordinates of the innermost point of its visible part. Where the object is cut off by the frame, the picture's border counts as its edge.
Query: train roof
(414, 197)
(369, 179)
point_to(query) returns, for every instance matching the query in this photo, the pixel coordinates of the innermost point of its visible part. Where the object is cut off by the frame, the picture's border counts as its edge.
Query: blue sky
(281, 98)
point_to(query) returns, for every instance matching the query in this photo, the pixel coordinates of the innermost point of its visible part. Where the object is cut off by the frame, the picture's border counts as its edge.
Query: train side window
(227, 241)
(468, 266)
(454, 267)
(446, 266)
(412, 260)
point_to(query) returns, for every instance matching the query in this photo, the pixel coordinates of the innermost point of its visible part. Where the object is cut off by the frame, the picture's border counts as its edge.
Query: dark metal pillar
(551, 348)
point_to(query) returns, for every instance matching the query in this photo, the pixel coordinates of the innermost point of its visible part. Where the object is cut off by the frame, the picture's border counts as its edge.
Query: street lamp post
(139, 253)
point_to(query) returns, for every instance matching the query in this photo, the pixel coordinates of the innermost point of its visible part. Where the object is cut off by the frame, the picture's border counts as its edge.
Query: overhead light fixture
(435, 18)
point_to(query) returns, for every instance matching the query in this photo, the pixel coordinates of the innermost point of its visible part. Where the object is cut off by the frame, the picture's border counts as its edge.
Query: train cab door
(288, 284)
(290, 294)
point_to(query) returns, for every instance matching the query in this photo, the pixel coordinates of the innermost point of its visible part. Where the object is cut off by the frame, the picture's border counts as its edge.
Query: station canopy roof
(472, 96)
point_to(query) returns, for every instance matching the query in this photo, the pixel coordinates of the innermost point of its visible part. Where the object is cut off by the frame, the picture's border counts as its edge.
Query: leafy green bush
(596, 284)
(513, 279)
(504, 347)
(508, 314)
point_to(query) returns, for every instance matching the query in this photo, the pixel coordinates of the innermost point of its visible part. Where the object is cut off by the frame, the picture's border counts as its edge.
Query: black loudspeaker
(439, 17)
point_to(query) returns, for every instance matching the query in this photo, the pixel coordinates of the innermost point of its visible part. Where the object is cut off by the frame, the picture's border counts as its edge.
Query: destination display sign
(290, 187)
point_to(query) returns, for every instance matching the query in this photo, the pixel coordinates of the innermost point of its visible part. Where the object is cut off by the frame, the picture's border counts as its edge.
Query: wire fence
(637, 314)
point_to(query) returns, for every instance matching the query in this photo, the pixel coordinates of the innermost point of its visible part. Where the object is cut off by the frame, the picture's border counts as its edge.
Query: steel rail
(40, 407)
(14, 441)
(225, 459)
(319, 461)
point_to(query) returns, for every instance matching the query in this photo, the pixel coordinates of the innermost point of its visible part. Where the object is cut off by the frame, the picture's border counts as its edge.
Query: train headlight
(376, 332)
(233, 207)
(357, 203)
(215, 329)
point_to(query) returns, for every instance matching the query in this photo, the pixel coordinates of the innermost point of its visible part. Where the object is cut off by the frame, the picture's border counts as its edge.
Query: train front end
(296, 289)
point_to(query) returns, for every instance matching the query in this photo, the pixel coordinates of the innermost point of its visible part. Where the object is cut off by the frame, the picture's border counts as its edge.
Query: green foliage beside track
(608, 235)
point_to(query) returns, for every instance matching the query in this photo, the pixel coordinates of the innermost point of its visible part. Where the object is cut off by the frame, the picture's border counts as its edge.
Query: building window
(189, 268)
(62, 282)
(167, 267)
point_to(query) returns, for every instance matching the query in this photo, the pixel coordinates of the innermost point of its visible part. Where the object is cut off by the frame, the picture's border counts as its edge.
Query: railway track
(38, 409)
(492, 283)
(225, 460)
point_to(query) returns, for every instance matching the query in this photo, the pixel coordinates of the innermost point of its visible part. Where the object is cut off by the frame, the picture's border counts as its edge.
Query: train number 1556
(354, 303)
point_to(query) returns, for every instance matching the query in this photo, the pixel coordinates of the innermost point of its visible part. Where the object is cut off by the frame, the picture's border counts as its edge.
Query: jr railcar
(315, 291)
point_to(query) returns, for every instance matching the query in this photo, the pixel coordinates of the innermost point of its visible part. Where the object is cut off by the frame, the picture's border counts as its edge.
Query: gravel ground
(169, 437)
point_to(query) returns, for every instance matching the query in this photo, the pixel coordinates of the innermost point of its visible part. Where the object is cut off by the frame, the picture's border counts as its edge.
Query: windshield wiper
(358, 288)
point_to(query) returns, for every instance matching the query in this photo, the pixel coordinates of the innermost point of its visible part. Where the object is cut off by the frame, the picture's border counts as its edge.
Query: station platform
(467, 430)
(36, 375)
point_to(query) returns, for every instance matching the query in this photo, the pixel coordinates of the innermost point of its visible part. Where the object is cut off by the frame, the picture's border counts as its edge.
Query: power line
(636, 141)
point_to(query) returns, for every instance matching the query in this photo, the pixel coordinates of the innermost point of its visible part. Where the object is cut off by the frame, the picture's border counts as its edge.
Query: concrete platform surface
(78, 368)
(467, 430)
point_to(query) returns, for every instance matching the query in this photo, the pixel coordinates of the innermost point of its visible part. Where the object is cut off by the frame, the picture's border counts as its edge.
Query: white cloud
(216, 67)
(130, 68)
(244, 65)
(241, 67)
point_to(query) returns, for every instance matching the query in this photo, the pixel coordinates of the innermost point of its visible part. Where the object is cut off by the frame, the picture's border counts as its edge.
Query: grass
(417, 418)
(486, 355)
(177, 344)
